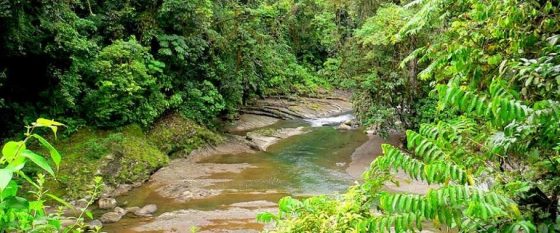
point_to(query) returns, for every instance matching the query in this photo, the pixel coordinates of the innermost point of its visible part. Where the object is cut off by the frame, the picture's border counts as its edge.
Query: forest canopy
(113, 63)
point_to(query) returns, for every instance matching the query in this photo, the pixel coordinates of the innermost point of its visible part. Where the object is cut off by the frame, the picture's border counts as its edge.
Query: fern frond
(395, 159)
(433, 173)
(499, 88)
(423, 147)
(501, 110)
(546, 110)
(449, 205)
(464, 100)
(400, 223)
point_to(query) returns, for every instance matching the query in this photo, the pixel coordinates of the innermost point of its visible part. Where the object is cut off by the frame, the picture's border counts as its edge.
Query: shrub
(125, 87)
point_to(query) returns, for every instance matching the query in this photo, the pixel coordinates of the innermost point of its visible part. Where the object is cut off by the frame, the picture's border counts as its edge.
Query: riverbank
(234, 185)
(222, 183)
(205, 175)
(127, 157)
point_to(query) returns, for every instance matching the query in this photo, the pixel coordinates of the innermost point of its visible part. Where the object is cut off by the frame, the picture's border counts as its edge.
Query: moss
(120, 156)
(133, 158)
(126, 155)
(175, 133)
(268, 132)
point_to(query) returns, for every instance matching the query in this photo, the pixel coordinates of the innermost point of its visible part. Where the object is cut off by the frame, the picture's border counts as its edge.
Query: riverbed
(224, 192)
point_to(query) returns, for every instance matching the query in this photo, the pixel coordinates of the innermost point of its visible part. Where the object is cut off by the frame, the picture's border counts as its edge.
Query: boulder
(81, 204)
(121, 189)
(344, 126)
(132, 209)
(95, 224)
(111, 217)
(147, 210)
(120, 210)
(107, 203)
(66, 222)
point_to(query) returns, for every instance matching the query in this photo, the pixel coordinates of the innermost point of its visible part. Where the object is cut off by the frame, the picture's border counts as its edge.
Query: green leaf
(11, 148)
(89, 214)
(37, 205)
(47, 123)
(17, 203)
(42, 122)
(5, 178)
(494, 60)
(39, 160)
(16, 164)
(10, 190)
(59, 200)
(55, 156)
(265, 217)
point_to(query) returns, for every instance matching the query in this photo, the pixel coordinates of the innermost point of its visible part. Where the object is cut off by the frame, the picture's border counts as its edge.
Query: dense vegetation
(492, 142)
(18, 211)
(476, 84)
(112, 63)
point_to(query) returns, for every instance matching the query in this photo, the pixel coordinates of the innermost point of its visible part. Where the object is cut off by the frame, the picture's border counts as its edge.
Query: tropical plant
(493, 157)
(19, 213)
(482, 183)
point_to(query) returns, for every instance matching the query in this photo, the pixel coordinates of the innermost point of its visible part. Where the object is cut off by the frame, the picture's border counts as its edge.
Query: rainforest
(280, 116)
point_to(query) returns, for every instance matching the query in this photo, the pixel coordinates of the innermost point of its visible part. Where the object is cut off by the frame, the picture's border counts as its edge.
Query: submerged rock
(147, 210)
(262, 139)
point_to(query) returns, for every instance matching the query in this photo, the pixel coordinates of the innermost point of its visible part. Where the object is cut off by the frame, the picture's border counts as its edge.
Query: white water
(330, 120)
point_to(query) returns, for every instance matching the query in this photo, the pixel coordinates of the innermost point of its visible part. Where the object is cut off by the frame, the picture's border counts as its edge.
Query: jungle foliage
(475, 84)
(481, 80)
(113, 63)
(28, 213)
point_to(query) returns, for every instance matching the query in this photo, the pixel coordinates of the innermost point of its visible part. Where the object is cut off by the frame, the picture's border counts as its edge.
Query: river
(318, 162)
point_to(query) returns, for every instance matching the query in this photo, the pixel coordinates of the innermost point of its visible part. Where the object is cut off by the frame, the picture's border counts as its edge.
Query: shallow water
(308, 164)
(304, 164)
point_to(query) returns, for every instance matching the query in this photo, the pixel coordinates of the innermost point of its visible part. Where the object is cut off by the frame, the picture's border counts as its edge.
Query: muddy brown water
(318, 162)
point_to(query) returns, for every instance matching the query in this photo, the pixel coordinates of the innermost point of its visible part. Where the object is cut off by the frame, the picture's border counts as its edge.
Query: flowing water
(308, 164)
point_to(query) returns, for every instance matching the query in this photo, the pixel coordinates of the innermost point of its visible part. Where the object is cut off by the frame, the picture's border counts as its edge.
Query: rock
(71, 212)
(371, 132)
(248, 122)
(120, 210)
(66, 222)
(344, 126)
(107, 203)
(340, 164)
(261, 140)
(111, 217)
(121, 189)
(81, 204)
(110, 156)
(132, 209)
(95, 224)
(146, 210)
